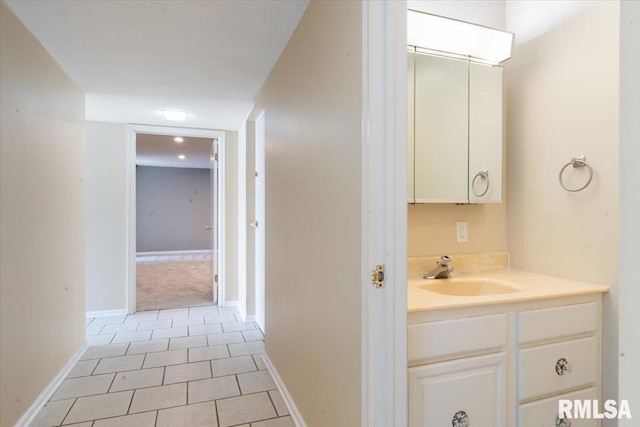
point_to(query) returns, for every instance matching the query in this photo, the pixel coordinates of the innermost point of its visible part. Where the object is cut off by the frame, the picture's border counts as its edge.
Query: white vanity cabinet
(504, 365)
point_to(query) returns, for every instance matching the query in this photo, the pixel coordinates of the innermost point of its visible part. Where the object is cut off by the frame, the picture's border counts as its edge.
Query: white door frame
(259, 216)
(131, 198)
(384, 204)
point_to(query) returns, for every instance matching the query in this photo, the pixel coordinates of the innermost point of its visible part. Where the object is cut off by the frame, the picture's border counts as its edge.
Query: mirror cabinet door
(485, 134)
(441, 151)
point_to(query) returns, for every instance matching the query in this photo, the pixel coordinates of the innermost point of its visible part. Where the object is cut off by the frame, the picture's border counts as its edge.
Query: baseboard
(46, 394)
(105, 313)
(294, 413)
(231, 303)
(188, 252)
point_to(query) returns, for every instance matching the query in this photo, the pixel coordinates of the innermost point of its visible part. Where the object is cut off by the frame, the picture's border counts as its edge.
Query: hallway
(195, 366)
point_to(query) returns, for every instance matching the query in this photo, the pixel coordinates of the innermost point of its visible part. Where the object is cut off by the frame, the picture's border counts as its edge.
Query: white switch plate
(461, 232)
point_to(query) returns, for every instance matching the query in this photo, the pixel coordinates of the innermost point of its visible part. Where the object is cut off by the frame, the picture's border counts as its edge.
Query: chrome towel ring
(484, 175)
(576, 162)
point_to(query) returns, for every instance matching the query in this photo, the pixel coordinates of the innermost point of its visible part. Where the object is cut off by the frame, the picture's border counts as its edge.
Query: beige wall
(629, 374)
(431, 227)
(106, 201)
(41, 218)
(313, 116)
(563, 102)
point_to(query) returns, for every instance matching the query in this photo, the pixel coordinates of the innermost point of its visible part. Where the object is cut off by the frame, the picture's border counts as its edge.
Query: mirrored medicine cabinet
(455, 130)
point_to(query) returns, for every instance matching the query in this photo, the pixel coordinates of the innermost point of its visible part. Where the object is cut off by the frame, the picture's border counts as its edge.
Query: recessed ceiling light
(175, 115)
(182, 157)
(178, 139)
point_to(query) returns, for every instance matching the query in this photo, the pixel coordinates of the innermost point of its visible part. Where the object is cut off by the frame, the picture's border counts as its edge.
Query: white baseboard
(161, 253)
(105, 313)
(294, 413)
(46, 394)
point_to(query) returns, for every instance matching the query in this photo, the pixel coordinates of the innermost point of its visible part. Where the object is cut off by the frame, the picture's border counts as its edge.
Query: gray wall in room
(172, 208)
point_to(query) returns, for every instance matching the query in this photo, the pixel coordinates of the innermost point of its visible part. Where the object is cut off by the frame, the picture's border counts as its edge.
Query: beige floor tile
(121, 327)
(233, 365)
(187, 342)
(88, 321)
(254, 382)
(219, 318)
(278, 402)
(146, 419)
(103, 339)
(87, 424)
(148, 346)
(154, 324)
(83, 386)
(202, 311)
(142, 316)
(205, 329)
(188, 321)
(216, 388)
(101, 351)
(238, 326)
(258, 358)
(83, 368)
(187, 372)
(119, 363)
(229, 338)
(199, 415)
(208, 353)
(94, 330)
(109, 320)
(276, 422)
(255, 335)
(100, 406)
(166, 396)
(165, 358)
(245, 409)
(52, 413)
(137, 379)
(132, 336)
(177, 313)
(170, 333)
(243, 349)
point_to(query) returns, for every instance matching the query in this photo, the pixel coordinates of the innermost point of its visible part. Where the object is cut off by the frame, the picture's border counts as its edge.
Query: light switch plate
(462, 235)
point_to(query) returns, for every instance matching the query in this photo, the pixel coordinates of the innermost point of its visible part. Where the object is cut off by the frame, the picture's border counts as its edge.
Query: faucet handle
(444, 260)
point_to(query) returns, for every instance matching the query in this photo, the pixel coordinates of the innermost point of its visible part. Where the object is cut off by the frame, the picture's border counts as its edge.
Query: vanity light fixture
(182, 156)
(175, 115)
(450, 37)
(178, 139)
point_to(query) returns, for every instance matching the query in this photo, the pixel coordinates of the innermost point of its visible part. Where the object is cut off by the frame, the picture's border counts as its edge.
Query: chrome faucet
(442, 271)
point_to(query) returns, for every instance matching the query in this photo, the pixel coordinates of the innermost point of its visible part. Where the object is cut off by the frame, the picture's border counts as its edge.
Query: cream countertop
(534, 287)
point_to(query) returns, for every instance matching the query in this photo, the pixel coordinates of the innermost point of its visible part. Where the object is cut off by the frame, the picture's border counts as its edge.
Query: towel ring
(576, 162)
(484, 175)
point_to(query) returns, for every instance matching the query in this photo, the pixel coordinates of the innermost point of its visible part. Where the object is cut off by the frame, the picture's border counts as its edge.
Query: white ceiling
(135, 58)
(163, 151)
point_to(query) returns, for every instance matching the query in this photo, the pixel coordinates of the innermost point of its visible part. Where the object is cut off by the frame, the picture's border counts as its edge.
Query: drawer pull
(562, 422)
(460, 419)
(562, 366)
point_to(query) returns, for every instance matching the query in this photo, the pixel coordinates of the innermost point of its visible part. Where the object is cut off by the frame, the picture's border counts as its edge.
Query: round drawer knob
(562, 366)
(460, 419)
(562, 422)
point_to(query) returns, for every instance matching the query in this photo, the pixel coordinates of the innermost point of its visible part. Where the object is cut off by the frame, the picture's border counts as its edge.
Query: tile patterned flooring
(190, 367)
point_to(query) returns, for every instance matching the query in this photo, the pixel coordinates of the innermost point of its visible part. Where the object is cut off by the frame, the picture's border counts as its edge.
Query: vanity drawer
(457, 336)
(537, 367)
(557, 322)
(543, 413)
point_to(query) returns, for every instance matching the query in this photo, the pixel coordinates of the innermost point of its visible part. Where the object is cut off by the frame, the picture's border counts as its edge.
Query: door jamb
(384, 213)
(133, 129)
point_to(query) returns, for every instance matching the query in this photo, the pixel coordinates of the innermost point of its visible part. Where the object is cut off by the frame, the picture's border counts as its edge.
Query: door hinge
(215, 157)
(215, 278)
(377, 276)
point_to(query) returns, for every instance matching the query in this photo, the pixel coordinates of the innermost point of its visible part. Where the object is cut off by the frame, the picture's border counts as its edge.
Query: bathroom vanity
(501, 349)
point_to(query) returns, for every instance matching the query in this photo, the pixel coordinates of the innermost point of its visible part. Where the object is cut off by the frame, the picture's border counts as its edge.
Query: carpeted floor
(173, 281)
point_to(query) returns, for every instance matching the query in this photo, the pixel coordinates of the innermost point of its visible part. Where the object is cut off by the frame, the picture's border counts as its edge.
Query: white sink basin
(468, 287)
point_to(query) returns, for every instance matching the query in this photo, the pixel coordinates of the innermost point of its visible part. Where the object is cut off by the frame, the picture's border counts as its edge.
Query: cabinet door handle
(484, 175)
(562, 366)
(460, 419)
(562, 422)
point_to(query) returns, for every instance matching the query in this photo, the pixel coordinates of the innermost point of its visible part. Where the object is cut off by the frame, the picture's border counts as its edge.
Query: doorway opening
(175, 218)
